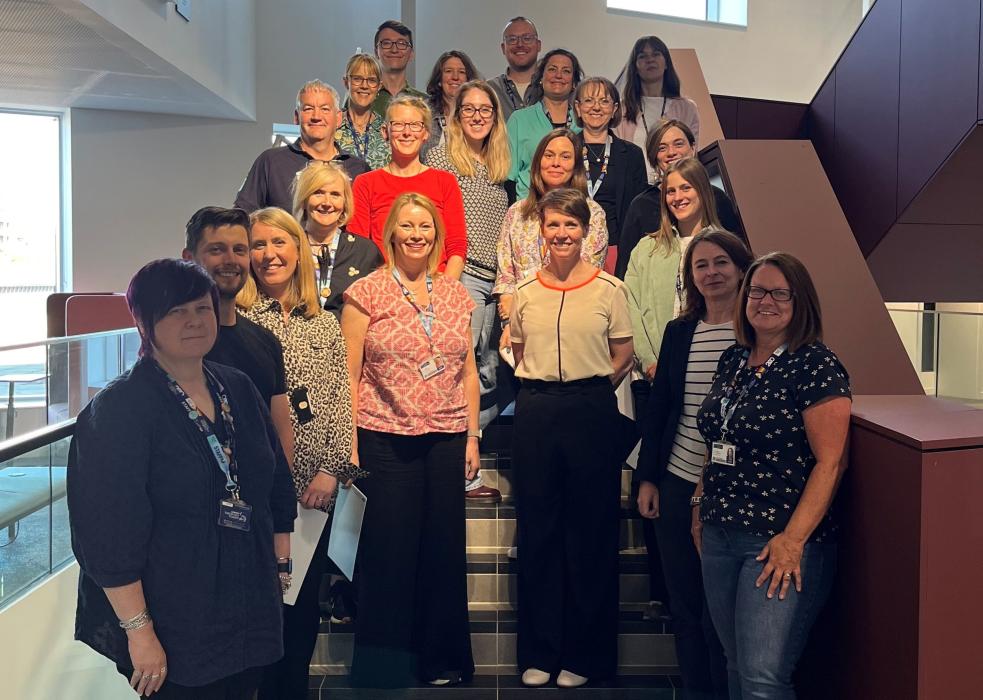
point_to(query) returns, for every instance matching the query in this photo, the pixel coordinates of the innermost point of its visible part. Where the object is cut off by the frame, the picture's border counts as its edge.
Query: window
(30, 222)
(721, 11)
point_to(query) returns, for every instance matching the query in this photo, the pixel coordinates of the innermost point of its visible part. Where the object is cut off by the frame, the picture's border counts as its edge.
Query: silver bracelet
(322, 470)
(137, 621)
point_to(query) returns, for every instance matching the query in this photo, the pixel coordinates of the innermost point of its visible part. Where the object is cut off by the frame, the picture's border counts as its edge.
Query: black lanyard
(512, 93)
(426, 316)
(665, 101)
(324, 263)
(223, 453)
(728, 407)
(550, 119)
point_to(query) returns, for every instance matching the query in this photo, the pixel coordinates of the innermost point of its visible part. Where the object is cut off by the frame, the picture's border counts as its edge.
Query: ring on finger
(788, 575)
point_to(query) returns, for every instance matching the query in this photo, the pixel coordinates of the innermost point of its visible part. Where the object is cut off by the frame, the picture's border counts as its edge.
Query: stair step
(505, 687)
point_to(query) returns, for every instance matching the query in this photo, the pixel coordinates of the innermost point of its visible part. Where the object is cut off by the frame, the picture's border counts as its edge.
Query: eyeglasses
(468, 111)
(776, 294)
(363, 80)
(603, 103)
(414, 127)
(521, 39)
(399, 44)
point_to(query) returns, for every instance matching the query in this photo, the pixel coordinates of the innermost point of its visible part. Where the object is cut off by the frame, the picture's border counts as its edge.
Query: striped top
(688, 449)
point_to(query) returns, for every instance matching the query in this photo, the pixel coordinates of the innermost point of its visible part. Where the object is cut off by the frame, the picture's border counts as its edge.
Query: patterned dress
(369, 146)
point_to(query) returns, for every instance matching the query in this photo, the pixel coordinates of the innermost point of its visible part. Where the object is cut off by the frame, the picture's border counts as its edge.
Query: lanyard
(593, 187)
(362, 152)
(728, 407)
(512, 92)
(549, 118)
(665, 101)
(324, 264)
(427, 315)
(222, 453)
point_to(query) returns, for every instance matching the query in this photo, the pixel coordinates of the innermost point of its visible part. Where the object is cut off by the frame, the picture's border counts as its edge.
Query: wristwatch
(285, 567)
(475, 434)
(695, 500)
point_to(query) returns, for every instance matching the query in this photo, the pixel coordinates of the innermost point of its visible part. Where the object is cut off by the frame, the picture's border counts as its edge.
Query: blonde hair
(389, 230)
(364, 60)
(303, 291)
(495, 149)
(314, 177)
(426, 116)
(693, 172)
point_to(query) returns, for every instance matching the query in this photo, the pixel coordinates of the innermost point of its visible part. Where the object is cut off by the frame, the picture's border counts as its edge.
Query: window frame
(711, 14)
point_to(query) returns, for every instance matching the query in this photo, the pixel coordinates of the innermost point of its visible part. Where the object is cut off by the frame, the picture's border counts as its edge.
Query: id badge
(432, 367)
(234, 514)
(723, 453)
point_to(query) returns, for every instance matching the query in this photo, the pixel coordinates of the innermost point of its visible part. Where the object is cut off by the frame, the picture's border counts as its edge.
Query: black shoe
(656, 611)
(341, 599)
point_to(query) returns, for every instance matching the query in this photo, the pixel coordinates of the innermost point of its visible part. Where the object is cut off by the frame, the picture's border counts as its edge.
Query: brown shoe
(484, 493)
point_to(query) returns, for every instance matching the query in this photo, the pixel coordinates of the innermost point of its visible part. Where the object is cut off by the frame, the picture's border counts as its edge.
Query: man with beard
(218, 240)
(521, 46)
(318, 114)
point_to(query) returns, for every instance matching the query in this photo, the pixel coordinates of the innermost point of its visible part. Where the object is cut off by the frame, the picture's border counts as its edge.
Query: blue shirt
(143, 494)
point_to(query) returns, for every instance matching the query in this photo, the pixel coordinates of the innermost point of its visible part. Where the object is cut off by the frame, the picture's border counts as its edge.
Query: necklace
(593, 187)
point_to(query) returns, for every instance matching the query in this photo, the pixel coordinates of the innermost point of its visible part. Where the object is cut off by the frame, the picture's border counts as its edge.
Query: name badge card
(432, 367)
(235, 514)
(723, 453)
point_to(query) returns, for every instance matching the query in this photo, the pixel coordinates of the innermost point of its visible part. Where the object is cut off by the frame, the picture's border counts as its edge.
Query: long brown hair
(693, 172)
(806, 325)
(435, 88)
(537, 188)
(632, 93)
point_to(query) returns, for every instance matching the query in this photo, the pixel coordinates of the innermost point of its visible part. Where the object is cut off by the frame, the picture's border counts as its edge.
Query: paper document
(346, 528)
(303, 545)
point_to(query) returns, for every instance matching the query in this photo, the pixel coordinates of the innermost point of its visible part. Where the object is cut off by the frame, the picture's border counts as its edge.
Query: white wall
(784, 53)
(39, 656)
(215, 48)
(137, 178)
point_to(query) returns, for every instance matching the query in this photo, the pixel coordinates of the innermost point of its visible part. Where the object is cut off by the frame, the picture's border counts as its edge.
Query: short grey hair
(318, 86)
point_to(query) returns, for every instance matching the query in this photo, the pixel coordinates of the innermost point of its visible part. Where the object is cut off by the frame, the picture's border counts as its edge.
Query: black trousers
(239, 686)
(567, 484)
(287, 679)
(412, 621)
(701, 657)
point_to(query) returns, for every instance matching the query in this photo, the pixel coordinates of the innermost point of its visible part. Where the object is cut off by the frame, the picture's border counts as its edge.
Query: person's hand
(696, 530)
(648, 500)
(149, 660)
(472, 459)
(319, 491)
(783, 559)
(506, 338)
(650, 371)
(504, 306)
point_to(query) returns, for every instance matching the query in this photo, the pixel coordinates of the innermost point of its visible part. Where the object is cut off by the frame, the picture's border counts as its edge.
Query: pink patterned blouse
(393, 397)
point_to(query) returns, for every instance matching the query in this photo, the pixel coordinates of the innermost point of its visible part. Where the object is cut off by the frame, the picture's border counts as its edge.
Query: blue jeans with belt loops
(762, 639)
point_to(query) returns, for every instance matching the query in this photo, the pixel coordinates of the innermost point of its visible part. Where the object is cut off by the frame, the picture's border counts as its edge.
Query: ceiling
(59, 53)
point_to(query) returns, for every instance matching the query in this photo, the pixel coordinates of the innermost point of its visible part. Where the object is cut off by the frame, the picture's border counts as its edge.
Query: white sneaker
(534, 678)
(568, 679)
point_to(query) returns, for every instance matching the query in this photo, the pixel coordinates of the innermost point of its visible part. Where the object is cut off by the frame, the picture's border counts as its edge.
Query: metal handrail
(35, 439)
(935, 312)
(68, 339)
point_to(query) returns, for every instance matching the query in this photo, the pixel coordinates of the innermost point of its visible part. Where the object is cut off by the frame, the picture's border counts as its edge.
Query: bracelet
(323, 470)
(137, 621)
(285, 581)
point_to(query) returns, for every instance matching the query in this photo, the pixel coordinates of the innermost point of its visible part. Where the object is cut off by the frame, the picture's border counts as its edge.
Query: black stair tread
(504, 687)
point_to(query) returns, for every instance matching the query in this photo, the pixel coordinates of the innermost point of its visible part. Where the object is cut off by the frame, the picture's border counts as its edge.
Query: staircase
(646, 655)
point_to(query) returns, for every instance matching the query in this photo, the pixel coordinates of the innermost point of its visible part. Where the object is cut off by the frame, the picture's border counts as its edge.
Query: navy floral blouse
(773, 460)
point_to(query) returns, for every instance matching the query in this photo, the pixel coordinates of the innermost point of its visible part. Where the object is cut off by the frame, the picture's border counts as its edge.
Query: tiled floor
(503, 688)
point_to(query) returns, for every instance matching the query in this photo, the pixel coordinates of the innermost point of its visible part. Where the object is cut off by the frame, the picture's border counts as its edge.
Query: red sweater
(375, 192)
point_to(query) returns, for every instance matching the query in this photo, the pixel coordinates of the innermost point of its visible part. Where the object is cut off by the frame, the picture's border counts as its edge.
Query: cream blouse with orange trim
(565, 331)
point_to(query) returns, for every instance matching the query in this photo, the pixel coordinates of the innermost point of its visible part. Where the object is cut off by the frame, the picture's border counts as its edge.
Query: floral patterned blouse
(520, 245)
(773, 456)
(374, 150)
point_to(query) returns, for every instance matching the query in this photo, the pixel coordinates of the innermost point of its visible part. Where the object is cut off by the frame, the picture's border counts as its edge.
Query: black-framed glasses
(399, 44)
(363, 80)
(589, 102)
(527, 39)
(468, 111)
(414, 127)
(776, 294)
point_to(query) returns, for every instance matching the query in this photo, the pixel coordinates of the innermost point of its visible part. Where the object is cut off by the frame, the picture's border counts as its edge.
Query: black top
(143, 499)
(357, 256)
(626, 178)
(255, 351)
(774, 459)
(268, 182)
(643, 218)
(658, 423)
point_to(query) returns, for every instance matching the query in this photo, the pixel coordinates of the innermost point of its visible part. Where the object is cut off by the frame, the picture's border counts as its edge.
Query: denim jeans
(762, 639)
(483, 320)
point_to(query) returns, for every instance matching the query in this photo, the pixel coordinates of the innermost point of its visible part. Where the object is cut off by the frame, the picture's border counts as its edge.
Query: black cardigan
(626, 177)
(665, 404)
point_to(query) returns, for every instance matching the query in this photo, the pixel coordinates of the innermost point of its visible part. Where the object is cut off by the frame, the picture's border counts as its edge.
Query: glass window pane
(30, 222)
(688, 9)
